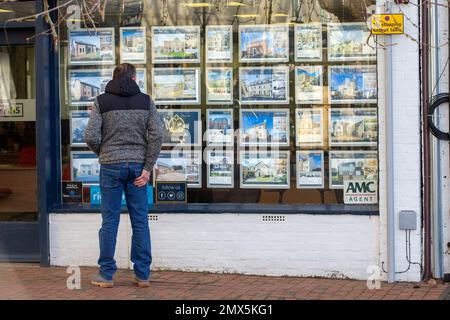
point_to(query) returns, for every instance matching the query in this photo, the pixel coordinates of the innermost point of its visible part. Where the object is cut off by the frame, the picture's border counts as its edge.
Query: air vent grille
(153, 217)
(273, 218)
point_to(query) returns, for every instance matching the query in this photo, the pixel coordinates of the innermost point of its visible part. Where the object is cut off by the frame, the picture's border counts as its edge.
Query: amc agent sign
(360, 191)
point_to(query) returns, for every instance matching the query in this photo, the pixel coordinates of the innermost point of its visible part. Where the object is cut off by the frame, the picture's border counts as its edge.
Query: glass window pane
(18, 196)
(285, 94)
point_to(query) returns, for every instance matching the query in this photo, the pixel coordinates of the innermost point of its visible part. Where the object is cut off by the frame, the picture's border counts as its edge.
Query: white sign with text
(360, 191)
(18, 110)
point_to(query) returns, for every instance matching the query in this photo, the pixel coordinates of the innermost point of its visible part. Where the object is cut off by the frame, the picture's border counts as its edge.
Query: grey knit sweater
(124, 125)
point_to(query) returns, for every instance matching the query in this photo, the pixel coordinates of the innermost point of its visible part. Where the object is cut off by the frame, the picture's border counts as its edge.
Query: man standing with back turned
(125, 132)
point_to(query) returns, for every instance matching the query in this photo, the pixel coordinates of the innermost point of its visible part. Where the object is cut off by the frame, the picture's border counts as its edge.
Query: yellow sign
(388, 23)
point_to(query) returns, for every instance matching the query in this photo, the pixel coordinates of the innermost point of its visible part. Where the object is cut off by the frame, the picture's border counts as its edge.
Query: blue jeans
(114, 179)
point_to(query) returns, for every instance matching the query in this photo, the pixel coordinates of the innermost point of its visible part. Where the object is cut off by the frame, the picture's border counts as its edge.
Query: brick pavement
(30, 281)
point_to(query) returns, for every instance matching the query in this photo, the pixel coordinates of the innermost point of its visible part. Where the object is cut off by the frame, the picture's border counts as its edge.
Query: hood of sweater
(124, 87)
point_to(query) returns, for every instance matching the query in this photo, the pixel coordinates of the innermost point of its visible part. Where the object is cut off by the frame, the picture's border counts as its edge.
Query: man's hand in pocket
(142, 179)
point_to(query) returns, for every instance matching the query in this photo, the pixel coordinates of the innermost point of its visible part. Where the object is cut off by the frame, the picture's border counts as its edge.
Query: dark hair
(124, 70)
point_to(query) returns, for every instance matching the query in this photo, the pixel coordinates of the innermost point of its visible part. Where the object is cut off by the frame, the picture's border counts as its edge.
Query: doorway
(19, 232)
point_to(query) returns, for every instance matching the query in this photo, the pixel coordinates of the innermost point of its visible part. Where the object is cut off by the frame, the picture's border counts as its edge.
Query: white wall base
(334, 246)
(74, 240)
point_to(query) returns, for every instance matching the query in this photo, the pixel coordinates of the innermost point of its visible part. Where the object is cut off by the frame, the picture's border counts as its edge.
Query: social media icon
(162, 195)
(180, 195)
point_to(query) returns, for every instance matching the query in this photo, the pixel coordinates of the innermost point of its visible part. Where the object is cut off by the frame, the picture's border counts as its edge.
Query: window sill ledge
(248, 208)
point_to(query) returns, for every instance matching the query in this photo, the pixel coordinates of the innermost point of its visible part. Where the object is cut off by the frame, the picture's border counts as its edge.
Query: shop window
(18, 186)
(266, 104)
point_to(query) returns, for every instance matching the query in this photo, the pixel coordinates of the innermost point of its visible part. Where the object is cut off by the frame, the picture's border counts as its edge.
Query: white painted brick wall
(74, 240)
(407, 134)
(407, 167)
(302, 245)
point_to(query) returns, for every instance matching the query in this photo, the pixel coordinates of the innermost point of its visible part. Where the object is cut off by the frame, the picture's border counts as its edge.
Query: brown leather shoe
(141, 283)
(99, 281)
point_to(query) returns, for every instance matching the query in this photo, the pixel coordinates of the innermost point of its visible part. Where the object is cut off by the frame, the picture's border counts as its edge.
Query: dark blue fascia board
(17, 36)
(234, 208)
(48, 136)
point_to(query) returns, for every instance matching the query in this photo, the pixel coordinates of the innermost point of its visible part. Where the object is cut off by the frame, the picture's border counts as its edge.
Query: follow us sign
(171, 192)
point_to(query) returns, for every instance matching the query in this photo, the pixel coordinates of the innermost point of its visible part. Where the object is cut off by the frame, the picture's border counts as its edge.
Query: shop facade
(297, 134)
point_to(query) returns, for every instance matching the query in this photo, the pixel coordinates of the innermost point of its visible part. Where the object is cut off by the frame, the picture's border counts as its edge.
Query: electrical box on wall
(407, 220)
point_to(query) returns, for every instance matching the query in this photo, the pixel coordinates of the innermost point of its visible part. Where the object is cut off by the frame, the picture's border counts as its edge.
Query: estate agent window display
(258, 113)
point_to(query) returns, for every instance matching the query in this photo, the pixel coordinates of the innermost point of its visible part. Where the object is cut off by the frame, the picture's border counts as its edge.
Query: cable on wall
(436, 101)
(408, 255)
